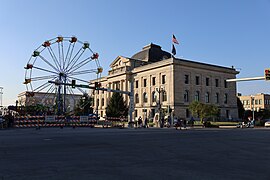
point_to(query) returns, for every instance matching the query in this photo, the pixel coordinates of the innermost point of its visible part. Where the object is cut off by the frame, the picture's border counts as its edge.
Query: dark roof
(151, 53)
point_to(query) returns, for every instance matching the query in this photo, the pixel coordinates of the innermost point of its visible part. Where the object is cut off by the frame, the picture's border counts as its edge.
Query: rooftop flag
(174, 40)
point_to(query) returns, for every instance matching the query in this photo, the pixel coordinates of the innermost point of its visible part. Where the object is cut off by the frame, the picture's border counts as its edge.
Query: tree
(203, 110)
(117, 106)
(241, 109)
(84, 106)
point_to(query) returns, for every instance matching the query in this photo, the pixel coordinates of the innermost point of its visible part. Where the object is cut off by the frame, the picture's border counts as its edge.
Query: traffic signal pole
(246, 79)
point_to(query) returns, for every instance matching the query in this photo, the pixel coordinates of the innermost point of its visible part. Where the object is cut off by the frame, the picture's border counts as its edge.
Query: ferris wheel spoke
(81, 80)
(75, 59)
(79, 65)
(46, 61)
(42, 87)
(49, 92)
(69, 54)
(61, 55)
(82, 72)
(45, 70)
(72, 93)
(42, 78)
(54, 58)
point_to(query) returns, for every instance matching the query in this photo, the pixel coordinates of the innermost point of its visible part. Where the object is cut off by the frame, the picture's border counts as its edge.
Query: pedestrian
(146, 122)
(140, 122)
(162, 122)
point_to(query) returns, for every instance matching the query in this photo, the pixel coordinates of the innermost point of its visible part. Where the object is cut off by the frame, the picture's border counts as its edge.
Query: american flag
(174, 40)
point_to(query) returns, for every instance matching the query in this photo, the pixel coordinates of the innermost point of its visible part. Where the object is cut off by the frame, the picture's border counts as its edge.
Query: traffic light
(267, 74)
(73, 83)
(97, 85)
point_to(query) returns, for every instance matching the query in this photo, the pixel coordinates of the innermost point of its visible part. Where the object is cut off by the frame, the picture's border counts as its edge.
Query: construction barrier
(53, 121)
(71, 121)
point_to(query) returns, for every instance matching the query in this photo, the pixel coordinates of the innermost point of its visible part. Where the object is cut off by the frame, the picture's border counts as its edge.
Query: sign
(49, 118)
(83, 118)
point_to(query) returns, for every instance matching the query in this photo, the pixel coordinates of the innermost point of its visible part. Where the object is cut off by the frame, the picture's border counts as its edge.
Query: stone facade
(258, 101)
(172, 83)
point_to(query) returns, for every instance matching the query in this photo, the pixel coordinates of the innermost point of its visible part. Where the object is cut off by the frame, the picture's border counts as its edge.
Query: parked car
(267, 123)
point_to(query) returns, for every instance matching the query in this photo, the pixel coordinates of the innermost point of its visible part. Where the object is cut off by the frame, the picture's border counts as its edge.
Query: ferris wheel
(61, 60)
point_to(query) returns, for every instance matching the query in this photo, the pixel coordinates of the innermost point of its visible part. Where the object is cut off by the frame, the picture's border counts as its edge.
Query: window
(154, 96)
(136, 98)
(197, 80)
(187, 113)
(216, 82)
(225, 84)
(197, 96)
(136, 113)
(102, 102)
(256, 101)
(225, 98)
(163, 79)
(97, 102)
(186, 96)
(153, 81)
(145, 98)
(227, 113)
(217, 98)
(186, 79)
(164, 96)
(207, 81)
(207, 97)
(144, 82)
(136, 84)
(260, 101)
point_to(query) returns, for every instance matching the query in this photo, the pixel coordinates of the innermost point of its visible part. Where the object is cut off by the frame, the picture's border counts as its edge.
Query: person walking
(146, 122)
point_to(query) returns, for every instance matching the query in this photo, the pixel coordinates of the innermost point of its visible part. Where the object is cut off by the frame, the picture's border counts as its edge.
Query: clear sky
(227, 33)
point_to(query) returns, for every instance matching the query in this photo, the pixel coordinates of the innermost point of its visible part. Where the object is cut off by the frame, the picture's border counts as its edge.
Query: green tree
(241, 109)
(203, 110)
(84, 106)
(117, 106)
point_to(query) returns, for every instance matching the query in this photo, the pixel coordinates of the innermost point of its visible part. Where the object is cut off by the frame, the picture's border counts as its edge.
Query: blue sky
(227, 33)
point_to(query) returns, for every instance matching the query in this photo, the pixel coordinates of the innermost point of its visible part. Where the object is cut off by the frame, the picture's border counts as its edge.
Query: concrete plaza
(96, 153)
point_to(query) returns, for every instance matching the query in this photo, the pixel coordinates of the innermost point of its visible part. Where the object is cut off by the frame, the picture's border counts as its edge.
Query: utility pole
(1, 96)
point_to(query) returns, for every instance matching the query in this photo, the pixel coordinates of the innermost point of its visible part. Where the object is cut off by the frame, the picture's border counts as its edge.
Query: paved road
(96, 153)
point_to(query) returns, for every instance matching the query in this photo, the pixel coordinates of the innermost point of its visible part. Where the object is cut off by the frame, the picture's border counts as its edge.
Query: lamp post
(159, 90)
(1, 94)
(252, 106)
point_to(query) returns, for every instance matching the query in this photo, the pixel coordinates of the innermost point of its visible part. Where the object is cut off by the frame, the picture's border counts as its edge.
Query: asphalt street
(97, 153)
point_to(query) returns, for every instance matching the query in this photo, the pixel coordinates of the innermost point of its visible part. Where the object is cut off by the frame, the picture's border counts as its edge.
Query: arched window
(186, 96)
(207, 97)
(225, 98)
(145, 98)
(197, 96)
(164, 96)
(136, 98)
(216, 98)
(154, 96)
(102, 102)
(97, 102)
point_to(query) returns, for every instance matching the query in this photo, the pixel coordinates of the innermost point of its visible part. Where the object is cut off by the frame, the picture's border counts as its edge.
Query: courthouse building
(160, 79)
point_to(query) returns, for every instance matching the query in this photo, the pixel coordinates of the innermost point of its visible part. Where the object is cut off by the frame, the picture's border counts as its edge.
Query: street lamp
(252, 106)
(159, 90)
(1, 93)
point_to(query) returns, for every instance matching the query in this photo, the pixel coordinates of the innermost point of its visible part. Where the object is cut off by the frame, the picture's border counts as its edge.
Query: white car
(267, 123)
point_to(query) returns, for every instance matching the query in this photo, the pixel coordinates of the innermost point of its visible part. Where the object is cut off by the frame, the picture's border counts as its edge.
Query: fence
(62, 121)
